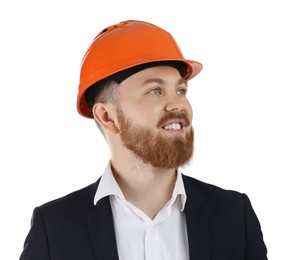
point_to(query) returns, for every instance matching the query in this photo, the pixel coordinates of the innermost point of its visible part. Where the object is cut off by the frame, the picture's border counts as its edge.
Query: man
(133, 82)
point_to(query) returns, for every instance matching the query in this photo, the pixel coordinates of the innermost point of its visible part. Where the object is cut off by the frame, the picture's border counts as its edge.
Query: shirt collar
(109, 186)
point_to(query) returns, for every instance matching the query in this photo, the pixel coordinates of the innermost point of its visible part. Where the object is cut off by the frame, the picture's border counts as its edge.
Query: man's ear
(102, 113)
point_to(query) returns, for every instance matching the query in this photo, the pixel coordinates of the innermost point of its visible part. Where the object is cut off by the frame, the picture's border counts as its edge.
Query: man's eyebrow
(161, 81)
(182, 81)
(153, 80)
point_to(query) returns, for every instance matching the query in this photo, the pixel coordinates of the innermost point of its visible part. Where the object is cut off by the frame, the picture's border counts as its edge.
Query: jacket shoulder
(74, 202)
(212, 195)
(229, 216)
(207, 187)
(59, 228)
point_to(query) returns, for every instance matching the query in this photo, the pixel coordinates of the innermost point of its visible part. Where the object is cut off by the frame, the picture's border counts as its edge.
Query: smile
(173, 126)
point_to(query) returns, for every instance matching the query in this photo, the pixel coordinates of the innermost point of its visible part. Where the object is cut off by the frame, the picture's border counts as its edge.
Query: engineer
(133, 83)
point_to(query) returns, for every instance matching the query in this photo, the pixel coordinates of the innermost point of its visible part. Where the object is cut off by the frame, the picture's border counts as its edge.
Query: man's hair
(105, 91)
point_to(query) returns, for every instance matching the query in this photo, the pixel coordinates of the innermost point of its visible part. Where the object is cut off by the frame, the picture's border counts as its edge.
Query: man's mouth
(173, 126)
(174, 123)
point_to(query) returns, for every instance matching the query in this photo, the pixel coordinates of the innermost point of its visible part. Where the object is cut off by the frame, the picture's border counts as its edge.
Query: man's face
(155, 117)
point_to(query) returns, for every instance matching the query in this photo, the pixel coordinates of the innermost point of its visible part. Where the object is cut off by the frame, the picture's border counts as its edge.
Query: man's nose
(175, 104)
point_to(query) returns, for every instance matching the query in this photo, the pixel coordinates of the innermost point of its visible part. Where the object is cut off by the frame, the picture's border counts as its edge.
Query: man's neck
(146, 187)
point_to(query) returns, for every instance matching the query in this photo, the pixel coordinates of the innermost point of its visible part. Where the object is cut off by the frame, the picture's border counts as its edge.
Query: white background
(48, 150)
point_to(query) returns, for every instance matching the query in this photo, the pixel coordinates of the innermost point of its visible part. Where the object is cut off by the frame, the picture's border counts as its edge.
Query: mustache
(173, 116)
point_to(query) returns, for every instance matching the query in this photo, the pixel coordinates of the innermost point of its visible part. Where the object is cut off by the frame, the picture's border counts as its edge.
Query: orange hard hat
(125, 45)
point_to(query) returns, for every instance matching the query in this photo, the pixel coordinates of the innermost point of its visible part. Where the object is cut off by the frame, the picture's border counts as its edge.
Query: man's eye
(155, 91)
(182, 91)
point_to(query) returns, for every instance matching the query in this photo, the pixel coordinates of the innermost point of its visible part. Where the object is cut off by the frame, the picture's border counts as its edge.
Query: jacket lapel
(197, 226)
(101, 228)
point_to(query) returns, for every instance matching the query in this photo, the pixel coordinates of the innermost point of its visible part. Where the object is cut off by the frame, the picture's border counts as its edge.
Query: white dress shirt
(140, 238)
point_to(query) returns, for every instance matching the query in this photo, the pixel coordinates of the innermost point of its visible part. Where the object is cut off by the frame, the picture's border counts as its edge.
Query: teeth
(173, 127)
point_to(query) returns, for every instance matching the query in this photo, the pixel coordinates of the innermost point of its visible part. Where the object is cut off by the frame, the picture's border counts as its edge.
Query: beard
(156, 150)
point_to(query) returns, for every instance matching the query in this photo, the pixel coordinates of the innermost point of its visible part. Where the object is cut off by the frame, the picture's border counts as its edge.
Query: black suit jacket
(221, 225)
